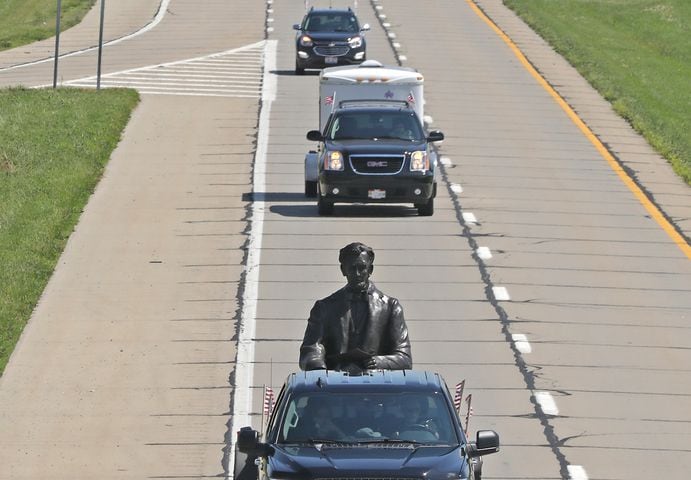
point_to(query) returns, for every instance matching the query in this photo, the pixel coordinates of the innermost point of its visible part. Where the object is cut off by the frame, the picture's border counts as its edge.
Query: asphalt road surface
(542, 279)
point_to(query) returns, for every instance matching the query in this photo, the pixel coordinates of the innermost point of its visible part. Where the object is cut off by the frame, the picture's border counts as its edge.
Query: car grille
(328, 51)
(377, 164)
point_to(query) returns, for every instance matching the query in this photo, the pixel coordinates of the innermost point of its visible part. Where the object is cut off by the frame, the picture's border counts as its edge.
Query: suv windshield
(367, 125)
(417, 418)
(331, 22)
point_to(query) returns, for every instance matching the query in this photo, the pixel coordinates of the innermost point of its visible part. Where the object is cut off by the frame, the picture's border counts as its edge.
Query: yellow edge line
(647, 204)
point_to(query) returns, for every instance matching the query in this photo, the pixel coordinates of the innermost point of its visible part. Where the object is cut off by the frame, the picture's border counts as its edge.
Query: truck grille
(327, 51)
(377, 164)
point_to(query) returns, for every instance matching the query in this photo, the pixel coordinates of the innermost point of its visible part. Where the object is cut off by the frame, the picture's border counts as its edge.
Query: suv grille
(335, 51)
(377, 164)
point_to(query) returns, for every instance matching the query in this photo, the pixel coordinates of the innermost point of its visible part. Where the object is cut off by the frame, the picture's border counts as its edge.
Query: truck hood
(381, 460)
(376, 147)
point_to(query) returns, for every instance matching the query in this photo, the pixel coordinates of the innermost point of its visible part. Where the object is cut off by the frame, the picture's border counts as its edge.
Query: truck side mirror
(486, 442)
(435, 136)
(296, 26)
(247, 440)
(249, 444)
(315, 136)
(365, 27)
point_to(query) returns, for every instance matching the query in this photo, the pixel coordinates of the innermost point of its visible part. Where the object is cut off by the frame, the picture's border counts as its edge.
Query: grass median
(54, 145)
(636, 53)
(27, 21)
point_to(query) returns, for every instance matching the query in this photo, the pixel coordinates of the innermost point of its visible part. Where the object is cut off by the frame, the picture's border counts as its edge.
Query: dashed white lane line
(469, 217)
(233, 73)
(428, 120)
(162, 9)
(391, 35)
(446, 161)
(576, 472)
(521, 342)
(402, 58)
(484, 253)
(244, 373)
(547, 403)
(456, 188)
(501, 293)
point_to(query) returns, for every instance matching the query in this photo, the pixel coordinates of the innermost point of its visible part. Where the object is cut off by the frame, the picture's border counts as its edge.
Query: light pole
(57, 44)
(100, 46)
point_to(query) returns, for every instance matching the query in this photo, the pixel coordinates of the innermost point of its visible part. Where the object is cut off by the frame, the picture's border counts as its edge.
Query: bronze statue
(357, 327)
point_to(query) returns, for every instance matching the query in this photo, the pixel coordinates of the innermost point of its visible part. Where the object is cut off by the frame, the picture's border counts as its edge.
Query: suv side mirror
(435, 136)
(315, 136)
(486, 442)
(365, 27)
(296, 26)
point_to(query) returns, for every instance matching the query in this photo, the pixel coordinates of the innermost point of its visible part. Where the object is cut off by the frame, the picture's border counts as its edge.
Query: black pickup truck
(375, 152)
(382, 425)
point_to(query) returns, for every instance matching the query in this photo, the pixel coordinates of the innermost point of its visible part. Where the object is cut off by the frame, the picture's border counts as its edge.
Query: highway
(543, 279)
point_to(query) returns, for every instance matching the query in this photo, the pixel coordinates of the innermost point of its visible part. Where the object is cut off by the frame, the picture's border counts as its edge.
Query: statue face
(357, 270)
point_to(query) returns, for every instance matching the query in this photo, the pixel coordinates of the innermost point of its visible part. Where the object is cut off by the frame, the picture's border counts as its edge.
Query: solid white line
(576, 472)
(162, 9)
(484, 253)
(547, 403)
(501, 293)
(521, 342)
(244, 375)
(456, 188)
(186, 78)
(469, 217)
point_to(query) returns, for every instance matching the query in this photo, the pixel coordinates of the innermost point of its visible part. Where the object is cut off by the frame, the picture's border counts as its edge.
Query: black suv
(375, 153)
(383, 424)
(329, 37)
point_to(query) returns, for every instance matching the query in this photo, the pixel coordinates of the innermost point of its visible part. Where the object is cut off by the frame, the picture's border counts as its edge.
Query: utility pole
(57, 44)
(100, 46)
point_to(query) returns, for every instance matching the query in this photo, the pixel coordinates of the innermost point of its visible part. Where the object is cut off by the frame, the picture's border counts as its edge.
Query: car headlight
(355, 42)
(419, 161)
(333, 160)
(306, 41)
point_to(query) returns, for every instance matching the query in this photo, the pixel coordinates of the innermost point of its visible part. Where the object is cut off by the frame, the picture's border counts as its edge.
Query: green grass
(636, 53)
(54, 145)
(26, 21)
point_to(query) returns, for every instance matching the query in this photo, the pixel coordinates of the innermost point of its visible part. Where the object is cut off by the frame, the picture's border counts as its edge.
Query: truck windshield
(395, 125)
(419, 418)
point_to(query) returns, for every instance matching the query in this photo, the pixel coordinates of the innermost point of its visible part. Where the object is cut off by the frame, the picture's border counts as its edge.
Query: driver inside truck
(400, 131)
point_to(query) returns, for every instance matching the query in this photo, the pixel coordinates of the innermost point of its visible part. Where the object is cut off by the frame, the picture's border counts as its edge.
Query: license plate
(331, 60)
(376, 194)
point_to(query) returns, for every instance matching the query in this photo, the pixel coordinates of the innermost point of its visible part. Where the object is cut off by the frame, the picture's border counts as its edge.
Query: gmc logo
(380, 164)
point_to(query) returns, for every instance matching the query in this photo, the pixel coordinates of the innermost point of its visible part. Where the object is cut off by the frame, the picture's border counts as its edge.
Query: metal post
(100, 46)
(57, 44)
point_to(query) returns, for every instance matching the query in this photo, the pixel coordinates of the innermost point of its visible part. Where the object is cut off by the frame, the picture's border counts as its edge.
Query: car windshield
(396, 125)
(414, 418)
(331, 22)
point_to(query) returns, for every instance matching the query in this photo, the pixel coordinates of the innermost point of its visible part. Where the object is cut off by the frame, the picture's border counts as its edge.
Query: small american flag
(411, 98)
(269, 400)
(458, 395)
(469, 413)
(329, 100)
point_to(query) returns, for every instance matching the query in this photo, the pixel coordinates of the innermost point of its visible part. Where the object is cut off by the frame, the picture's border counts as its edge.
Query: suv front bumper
(403, 188)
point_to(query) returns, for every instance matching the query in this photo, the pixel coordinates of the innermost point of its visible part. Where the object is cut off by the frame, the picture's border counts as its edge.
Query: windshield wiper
(389, 440)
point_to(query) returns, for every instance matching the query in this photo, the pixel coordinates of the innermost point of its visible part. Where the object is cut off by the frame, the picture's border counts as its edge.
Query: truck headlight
(305, 41)
(419, 161)
(355, 42)
(333, 160)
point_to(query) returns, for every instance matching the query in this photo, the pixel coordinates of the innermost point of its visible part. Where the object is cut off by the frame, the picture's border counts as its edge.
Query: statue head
(357, 264)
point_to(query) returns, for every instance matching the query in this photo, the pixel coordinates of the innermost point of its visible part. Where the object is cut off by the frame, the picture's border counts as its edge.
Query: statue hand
(371, 363)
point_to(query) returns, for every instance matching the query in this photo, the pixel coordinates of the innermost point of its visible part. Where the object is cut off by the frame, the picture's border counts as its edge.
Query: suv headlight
(355, 42)
(419, 161)
(305, 41)
(333, 160)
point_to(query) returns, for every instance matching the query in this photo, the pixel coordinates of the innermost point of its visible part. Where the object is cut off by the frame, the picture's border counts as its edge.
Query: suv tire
(324, 207)
(298, 69)
(310, 189)
(425, 209)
